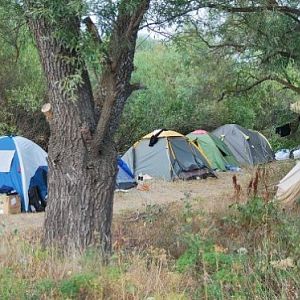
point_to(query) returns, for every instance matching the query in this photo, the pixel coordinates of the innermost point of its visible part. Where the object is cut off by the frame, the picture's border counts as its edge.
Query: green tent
(217, 153)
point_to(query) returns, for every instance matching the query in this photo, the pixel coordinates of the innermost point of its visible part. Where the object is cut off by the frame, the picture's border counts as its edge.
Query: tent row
(170, 155)
(163, 154)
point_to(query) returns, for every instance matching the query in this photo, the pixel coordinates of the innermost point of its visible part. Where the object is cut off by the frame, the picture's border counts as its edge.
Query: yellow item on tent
(169, 147)
(165, 133)
(264, 138)
(247, 137)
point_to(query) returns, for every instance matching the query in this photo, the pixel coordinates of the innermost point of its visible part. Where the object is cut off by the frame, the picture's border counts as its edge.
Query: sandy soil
(210, 195)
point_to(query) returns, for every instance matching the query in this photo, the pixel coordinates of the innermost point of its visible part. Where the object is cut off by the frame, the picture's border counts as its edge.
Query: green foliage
(153, 212)
(22, 86)
(263, 248)
(171, 99)
(216, 267)
(192, 255)
(10, 286)
(288, 142)
(184, 79)
(42, 288)
(256, 212)
(76, 286)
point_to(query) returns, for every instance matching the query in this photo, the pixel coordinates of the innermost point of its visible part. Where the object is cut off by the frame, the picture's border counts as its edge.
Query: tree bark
(81, 180)
(82, 156)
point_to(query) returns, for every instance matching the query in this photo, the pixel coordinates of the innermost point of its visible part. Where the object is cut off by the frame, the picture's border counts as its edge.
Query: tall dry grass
(249, 251)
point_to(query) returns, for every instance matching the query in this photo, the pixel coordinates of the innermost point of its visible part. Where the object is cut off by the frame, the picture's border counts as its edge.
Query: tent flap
(217, 153)
(125, 179)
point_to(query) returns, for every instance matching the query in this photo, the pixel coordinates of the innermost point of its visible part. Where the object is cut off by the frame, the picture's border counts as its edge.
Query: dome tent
(289, 186)
(167, 155)
(23, 165)
(125, 178)
(218, 154)
(249, 147)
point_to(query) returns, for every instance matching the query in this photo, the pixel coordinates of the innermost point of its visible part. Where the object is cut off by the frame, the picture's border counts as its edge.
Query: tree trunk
(80, 206)
(81, 180)
(82, 157)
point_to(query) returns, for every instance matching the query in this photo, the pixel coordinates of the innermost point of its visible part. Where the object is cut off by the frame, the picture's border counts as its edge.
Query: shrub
(76, 286)
(10, 286)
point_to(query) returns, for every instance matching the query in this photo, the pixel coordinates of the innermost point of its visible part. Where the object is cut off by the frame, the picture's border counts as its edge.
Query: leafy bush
(10, 286)
(76, 286)
(256, 212)
(288, 142)
(42, 289)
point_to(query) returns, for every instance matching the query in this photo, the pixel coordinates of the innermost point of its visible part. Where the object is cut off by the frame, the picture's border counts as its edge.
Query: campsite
(149, 149)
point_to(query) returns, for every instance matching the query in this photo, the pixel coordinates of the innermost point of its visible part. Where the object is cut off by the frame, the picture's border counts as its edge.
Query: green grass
(249, 252)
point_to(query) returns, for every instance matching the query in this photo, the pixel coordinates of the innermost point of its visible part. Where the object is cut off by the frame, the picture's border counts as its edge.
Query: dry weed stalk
(264, 176)
(249, 189)
(120, 240)
(261, 177)
(255, 183)
(237, 189)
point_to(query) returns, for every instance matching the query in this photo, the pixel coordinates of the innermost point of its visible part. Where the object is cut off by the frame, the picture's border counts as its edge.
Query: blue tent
(23, 165)
(125, 178)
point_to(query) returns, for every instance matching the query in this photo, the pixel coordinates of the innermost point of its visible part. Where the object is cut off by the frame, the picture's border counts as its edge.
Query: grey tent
(171, 156)
(248, 146)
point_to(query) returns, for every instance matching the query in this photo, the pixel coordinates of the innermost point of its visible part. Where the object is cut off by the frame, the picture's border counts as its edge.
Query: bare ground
(211, 195)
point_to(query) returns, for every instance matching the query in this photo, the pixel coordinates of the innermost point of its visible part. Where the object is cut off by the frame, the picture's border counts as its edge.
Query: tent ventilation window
(6, 157)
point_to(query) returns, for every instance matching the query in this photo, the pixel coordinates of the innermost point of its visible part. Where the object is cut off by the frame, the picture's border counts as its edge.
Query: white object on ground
(282, 154)
(121, 191)
(147, 177)
(296, 154)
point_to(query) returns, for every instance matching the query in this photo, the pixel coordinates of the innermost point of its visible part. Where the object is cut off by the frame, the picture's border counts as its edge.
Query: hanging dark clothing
(154, 138)
(284, 130)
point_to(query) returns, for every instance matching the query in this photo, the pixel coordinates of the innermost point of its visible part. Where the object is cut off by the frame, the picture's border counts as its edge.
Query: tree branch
(284, 54)
(285, 83)
(237, 47)
(92, 29)
(137, 87)
(174, 16)
(251, 9)
(291, 12)
(246, 89)
(115, 82)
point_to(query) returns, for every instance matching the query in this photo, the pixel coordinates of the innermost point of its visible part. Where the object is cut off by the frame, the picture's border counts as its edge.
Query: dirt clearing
(211, 195)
